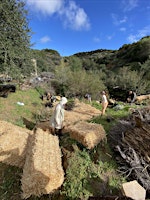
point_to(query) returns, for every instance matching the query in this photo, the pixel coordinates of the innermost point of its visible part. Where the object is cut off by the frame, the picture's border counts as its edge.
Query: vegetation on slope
(127, 67)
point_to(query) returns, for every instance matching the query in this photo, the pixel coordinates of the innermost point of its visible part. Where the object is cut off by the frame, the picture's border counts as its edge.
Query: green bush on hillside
(84, 178)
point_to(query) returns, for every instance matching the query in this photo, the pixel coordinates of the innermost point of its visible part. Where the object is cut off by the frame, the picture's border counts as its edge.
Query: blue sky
(73, 26)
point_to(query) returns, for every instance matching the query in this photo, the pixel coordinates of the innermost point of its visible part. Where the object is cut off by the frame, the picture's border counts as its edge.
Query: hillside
(128, 55)
(47, 59)
(129, 60)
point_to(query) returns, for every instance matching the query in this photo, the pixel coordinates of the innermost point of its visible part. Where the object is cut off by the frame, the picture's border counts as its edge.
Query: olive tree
(15, 53)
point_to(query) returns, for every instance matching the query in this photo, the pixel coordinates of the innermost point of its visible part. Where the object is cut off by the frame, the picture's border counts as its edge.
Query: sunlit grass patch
(12, 111)
(113, 114)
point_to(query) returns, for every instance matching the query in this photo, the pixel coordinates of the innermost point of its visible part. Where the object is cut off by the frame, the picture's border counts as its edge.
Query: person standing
(104, 102)
(88, 97)
(58, 116)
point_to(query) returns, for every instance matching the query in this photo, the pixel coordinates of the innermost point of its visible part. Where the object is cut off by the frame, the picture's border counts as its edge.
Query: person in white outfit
(104, 102)
(58, 116)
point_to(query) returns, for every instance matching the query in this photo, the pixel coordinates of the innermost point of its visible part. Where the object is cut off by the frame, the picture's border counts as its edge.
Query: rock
(134, 190)
(5, 89)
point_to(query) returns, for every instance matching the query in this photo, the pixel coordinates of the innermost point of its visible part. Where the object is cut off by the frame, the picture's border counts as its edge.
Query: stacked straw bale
(13, 144)
(88, 134)
(43, 172)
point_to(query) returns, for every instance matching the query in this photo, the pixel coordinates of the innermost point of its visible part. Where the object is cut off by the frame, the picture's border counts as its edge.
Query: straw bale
(86, 109)
(88, 134)
(13, 144)
(43, 172)
(81, 111)
(142, 97)
(45, 126)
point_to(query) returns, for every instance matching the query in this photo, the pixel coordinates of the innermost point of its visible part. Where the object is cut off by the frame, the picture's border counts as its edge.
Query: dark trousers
(58, 132)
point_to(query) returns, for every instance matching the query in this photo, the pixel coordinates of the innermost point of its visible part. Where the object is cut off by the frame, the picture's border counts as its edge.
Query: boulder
(134, 190)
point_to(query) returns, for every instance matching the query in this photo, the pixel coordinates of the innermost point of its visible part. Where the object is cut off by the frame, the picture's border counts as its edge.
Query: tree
(78, 82)
(145, 68)
(128, 79)
(75, 63)
(89, 82)
(15, 53)
(62, 74)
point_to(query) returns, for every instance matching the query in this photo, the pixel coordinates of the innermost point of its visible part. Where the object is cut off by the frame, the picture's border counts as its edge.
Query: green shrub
(77, 174)
(85, 178)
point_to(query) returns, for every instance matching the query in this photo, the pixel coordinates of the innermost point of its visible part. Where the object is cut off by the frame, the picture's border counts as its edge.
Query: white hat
(63, 100)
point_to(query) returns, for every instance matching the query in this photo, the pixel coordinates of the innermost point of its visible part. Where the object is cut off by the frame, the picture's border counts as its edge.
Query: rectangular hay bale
(13, 144)
(88, 134)
(43, 172)
(80, 112)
